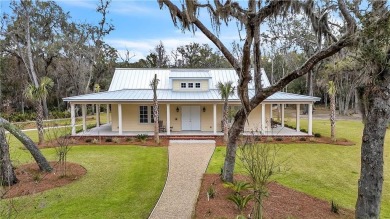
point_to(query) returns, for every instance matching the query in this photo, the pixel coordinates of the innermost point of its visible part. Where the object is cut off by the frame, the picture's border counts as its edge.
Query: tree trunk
(332, 117)
(45, 109)
(225, 121)
(28, 143)
(39, 122)
(7, 175)
(356, 103)
(377, 103)
(234, 133)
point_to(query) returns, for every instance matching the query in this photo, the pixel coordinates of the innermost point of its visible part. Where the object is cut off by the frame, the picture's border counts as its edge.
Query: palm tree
(225, 90)
(153, 85)
(332, 96)
(37, 94)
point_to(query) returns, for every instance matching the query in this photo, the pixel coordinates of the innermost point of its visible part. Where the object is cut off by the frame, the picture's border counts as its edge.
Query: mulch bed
(32, 180)
(282, 202)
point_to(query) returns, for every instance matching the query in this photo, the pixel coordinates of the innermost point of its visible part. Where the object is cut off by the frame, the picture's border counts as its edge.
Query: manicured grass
(121, 182)
(329, 172)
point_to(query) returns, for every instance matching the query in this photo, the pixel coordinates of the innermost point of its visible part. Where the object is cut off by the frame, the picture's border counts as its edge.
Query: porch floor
(105, 130)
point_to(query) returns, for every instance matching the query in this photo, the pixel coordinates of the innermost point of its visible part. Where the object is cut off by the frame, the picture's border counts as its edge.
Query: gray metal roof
(125, 78)
(165, 95)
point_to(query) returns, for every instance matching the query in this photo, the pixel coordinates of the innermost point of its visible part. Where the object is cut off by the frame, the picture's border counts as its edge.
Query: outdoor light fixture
(177, 109)
(204, 109)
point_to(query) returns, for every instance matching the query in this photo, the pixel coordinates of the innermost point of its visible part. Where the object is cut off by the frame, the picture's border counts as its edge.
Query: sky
(139, 25)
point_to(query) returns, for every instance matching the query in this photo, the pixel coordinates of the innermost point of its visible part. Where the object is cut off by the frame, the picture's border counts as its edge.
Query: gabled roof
(127, 78)
(167, 95)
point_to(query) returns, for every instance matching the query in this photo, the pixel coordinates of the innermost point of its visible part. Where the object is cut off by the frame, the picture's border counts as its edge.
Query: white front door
(190, 117)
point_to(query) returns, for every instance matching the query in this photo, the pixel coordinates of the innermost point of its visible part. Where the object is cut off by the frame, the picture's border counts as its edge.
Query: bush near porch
(121, 182)
(329, 172)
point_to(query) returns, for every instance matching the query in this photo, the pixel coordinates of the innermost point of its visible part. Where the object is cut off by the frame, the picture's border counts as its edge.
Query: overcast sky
(139, 25)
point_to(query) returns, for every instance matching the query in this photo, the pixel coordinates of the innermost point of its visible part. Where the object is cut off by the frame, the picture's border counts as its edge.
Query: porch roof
(167, 95)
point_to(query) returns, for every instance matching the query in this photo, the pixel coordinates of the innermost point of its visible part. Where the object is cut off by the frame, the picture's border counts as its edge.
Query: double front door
(190, 117)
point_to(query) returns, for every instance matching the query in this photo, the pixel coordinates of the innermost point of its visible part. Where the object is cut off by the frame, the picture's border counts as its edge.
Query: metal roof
(126, 78)
(165, 95)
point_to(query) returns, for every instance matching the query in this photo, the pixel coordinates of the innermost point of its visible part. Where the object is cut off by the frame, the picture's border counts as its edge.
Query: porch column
(84, 112)
(108, 113)
(73, 118)
(270, 111)
(120, 119)
(282, 109)
(310, 125)
(263, 118)
(297, 118)
(168, 119)
(215, 119)
(97, 115)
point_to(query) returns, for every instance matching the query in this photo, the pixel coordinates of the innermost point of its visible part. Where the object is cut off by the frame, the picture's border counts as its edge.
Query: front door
(190, 117)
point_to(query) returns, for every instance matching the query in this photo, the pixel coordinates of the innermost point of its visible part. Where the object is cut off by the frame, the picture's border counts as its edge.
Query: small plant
(334, 207)
(142, 137)
(95, 141)
(241, 201)
(108, 140)
(116, 140)
(269, 139)
(278, 139)
(317, 135)
(302, 139)
(88, 140)
(211, 192)
(36, 177)
(294, 138)
(129, 139)
(237, 186)
(303, 130)
(312, 139)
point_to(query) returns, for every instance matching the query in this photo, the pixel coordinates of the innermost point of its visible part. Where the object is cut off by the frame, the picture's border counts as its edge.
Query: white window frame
(190, 85)
(183, 85)
(141, 120)
(197, 85)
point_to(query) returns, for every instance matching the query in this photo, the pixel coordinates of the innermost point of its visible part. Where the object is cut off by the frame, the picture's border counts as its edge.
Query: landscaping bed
(32, 180)
(282, 202)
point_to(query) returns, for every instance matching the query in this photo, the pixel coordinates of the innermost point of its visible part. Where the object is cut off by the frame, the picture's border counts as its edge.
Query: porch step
(191, 142)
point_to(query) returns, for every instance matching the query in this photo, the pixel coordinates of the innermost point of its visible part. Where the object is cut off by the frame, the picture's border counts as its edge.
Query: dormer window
(183, 85)
(190, 85)
(197, 85)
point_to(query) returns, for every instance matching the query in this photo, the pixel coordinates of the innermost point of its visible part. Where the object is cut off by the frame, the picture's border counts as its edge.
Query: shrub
(278, 139)
(210, 192)
(129, 139)
(142, 137)
(269, 139)
(334, 207)
(88, 140)
(237, 186)
(116, 140)
(95, 141)
(302, 139)
(303, 130)
(317, 135)
(108, 140)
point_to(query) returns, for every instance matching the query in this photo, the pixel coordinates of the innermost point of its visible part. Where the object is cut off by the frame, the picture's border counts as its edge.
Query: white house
(188, 99)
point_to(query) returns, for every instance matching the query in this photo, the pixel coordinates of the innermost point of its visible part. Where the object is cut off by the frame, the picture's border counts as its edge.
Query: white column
(168, 119)
(97, 115)
(84, 112)
(270, 111)
(120, 119)
(263, 117)
(298, 119)
(215, 119)
(310, 125)
(282, 109)
(108, 113)
(73, 118)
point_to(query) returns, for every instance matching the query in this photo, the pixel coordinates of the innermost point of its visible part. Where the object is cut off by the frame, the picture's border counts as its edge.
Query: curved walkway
(188, 161)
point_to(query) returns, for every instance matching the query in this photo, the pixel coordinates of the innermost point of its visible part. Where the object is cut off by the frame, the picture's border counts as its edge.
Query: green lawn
(121, 182)
(324, 171)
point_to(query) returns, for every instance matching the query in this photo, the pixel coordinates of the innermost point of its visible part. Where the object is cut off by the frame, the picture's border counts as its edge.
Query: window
(190, 85)
(183, 85)
(197, 85)
(143, 114)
